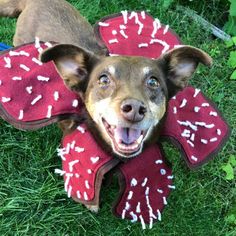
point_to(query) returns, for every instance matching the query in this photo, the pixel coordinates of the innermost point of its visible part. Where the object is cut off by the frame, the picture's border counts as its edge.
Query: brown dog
(126, 97)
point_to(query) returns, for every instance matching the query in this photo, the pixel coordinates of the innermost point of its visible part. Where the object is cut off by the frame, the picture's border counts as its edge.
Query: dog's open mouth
(126, 141)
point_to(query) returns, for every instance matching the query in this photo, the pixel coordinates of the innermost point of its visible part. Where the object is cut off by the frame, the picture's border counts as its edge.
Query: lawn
(32, 197)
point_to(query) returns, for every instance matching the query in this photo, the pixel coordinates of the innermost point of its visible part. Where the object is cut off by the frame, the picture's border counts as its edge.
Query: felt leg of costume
(146, 182)
(84, 166)
(32, 94)
(196, 126)
(135, 34)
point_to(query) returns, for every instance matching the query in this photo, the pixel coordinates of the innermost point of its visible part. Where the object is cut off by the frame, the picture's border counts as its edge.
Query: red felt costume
(33, 95)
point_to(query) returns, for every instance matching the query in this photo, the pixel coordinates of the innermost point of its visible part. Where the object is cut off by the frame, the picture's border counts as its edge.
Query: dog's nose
(133, 110)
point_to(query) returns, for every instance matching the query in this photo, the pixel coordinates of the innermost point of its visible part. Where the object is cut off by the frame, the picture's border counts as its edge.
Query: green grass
(32, 199)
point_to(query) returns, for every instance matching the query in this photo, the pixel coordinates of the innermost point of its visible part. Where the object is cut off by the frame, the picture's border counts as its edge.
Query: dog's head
(126, 97)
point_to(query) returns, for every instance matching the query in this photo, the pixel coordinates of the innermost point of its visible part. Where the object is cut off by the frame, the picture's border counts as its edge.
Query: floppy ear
(179, 64)
(73, 64)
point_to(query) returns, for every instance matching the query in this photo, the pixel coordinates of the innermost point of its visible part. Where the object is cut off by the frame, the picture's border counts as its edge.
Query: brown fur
(121, 94)
(50, 20)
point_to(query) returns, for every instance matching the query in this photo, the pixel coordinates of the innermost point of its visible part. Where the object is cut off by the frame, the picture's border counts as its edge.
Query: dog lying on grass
(126, 97)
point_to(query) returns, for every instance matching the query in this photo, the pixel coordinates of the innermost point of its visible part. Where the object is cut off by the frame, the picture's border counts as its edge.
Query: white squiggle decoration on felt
(21, 115)
(15, 78)
(156, 26)
(49, 113)
(166, 29)
(38, 62)
(24, 67)
(103, 24)
(125, 16)
(39, 97)
(60, 172)
(111, 41)
(71, 164)
(163, 43)
(8, 62)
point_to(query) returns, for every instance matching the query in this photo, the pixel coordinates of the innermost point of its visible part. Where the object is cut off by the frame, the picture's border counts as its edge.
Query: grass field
(32, 197)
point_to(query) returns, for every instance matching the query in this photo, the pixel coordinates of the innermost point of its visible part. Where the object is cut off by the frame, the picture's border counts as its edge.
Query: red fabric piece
(136, 34)
(31, 91)
(84, 164)
(147, 181)
(195, 125)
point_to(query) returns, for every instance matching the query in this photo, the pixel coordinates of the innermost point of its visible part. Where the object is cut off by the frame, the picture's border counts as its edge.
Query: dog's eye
(104, 81)
(152, 82)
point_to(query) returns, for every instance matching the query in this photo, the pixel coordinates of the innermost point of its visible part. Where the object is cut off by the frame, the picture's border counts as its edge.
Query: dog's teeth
(128, 148)
(140, 139)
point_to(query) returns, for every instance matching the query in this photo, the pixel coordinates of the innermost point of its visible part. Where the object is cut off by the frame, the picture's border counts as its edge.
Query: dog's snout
(133, 110)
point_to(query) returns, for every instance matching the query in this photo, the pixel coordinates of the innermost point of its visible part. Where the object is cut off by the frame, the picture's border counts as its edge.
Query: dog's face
(126, 97)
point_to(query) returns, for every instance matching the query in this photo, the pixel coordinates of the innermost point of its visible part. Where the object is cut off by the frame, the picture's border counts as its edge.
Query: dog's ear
(74, 64)
(179, 64)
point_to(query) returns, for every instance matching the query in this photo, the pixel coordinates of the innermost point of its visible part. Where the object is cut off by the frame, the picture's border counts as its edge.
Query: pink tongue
(126, 135)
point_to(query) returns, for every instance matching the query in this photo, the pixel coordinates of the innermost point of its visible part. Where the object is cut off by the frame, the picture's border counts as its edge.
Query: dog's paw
(93, 208)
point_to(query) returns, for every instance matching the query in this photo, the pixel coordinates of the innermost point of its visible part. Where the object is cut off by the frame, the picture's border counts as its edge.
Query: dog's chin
(126, 142)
